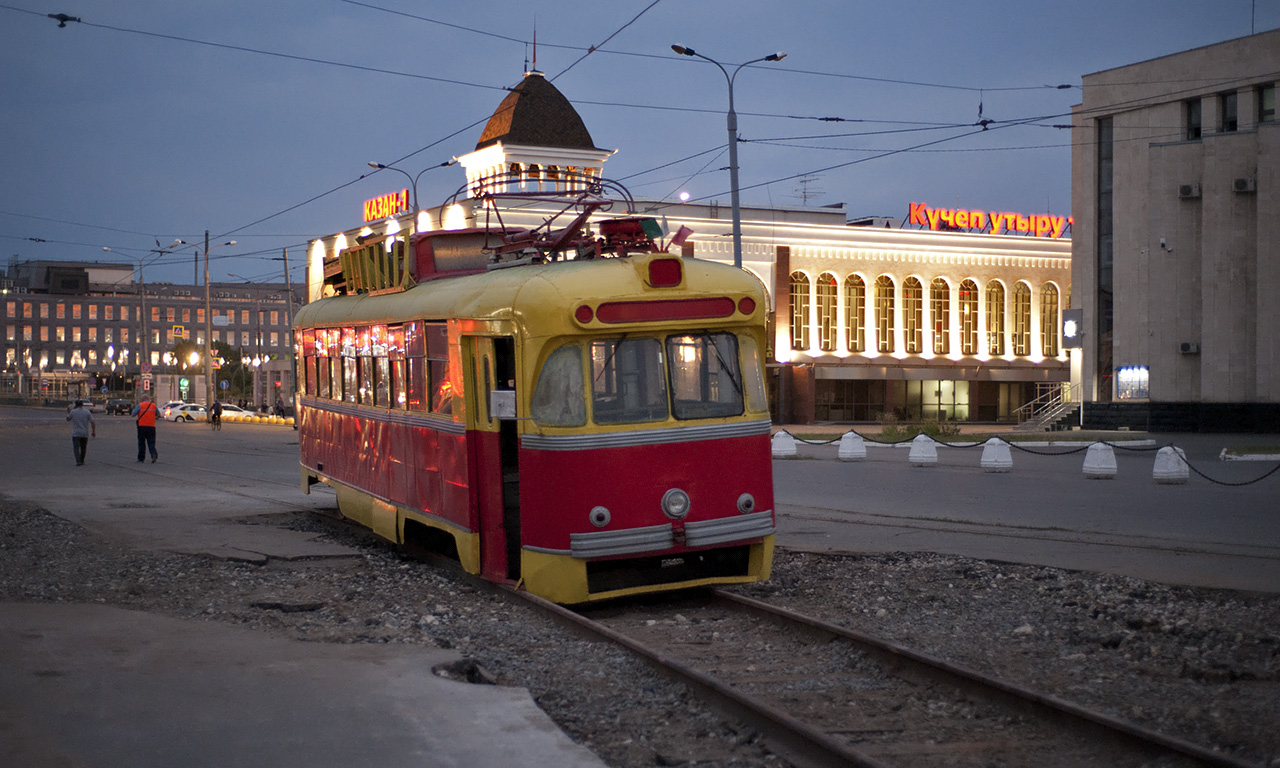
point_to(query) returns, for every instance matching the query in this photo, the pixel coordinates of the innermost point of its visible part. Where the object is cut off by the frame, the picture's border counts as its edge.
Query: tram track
(824, 695)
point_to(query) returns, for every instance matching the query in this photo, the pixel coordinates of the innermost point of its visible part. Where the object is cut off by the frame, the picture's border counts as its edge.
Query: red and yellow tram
(587, 428)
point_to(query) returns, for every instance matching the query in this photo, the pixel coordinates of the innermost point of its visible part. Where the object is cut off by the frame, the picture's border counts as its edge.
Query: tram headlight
(746, 503)
(675, 503)
(599, 517)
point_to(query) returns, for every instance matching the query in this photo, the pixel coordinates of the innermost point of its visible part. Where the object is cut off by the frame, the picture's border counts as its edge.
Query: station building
(945, 314)
(1176, 251)
(71, 327)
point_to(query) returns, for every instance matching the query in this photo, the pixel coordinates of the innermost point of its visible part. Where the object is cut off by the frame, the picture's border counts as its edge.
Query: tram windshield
(634, 380)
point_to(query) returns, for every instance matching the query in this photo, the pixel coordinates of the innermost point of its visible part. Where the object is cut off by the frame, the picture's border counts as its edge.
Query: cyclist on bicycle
(215, 415)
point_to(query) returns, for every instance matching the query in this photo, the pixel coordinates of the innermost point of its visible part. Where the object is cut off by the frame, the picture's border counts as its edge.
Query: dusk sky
(254, 120)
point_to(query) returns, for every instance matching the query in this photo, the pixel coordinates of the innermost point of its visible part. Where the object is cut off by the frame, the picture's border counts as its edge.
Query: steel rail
(971, 680)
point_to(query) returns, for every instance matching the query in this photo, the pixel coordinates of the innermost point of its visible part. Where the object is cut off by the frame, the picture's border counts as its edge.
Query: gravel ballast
(1199, 664)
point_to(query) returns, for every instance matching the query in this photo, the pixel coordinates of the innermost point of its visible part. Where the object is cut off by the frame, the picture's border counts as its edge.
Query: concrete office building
(1176, 246)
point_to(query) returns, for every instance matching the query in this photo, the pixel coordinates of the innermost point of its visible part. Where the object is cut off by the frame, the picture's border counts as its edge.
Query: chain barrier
(1068, 452)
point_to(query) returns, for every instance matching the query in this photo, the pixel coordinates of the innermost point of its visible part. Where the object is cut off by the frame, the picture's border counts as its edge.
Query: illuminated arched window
(940, 315)
(1021, 319)
(855, 313)
(1049, 319)
(827, 319)
(884, 313)
(968, 318)
(913, 314)
(799, 311)
(995, 317)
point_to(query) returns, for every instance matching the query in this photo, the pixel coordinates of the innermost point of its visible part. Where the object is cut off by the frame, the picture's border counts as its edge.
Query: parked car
(188, 412)
(168, 408)
(233, 408)
(88, 404)
(120, 407)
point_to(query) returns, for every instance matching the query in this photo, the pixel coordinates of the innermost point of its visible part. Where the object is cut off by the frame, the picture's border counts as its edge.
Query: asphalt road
(1044, 511)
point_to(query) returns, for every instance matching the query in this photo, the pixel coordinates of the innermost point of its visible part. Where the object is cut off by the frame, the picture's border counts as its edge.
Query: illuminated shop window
(995, 317)
(1049, 319)
(799, 311)
(855, 313)
(940, 315)
(968, 318)
(1021, 319)
(913, 314)
(884, 313)
(1133, 382)
(827, 320)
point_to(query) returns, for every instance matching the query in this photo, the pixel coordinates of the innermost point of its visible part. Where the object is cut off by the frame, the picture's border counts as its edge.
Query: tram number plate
(671, 562)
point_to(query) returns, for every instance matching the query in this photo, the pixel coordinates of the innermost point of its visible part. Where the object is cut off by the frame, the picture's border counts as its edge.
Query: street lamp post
(142, 286)
(412, 180)
(208, 334)
(732, 123)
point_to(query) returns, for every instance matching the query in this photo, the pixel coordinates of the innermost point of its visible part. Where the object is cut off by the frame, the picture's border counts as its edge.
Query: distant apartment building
(1176, 247)
(67, 321)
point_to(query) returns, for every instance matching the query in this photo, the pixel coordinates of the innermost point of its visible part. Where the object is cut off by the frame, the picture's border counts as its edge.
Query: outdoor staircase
(1056, 408)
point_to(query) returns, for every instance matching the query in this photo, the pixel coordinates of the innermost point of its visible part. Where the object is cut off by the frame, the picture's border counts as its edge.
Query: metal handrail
(1047, 405)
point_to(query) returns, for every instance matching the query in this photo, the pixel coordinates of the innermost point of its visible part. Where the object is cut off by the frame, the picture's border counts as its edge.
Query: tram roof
(547, 293)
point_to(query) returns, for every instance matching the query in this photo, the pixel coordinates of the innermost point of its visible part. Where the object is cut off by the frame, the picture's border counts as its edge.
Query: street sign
(223, 384)
(105, 390)
(146, 384)
(179, 332)
(146, 369)
(146, 376)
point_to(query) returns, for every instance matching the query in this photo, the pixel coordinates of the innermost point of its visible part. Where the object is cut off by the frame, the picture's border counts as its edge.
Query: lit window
(913, 314)
(1021, 319)
(799, 311)
(940, 313)
(995, 317)
(855, 312)
(827, 312)
(968, 318)
(1133, 382)
(884, 313)
(1049, 319)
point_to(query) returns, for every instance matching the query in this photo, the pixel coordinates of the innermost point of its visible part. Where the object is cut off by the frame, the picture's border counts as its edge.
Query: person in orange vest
(145, 413)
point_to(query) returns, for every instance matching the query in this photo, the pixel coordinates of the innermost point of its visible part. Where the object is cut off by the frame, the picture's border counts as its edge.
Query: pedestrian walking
(82, 426)
(145, 413)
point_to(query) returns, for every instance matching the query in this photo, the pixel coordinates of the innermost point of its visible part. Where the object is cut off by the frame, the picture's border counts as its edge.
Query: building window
(93, 311)
(170, 314)
(855, 313)
(244, 316)
(44, 311)
(913, 315)
(109, 312)
(186, 314)
(75, 311)
(1267, 103)
(799, 311)
(884, 313)
(200, 315)
(827, 320)
(1133, 382)
(968, 318)
(1230, 119)
(1193, 119)
(61, 311)
(1049, 319)
(1021, 319)
(940, 314)
(995, 317)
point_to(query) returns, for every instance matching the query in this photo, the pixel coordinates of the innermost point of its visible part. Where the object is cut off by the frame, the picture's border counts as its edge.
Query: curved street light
(412, 180)
(732, 123)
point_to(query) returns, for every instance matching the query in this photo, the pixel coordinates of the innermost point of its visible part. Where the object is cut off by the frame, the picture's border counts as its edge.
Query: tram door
(494, 452)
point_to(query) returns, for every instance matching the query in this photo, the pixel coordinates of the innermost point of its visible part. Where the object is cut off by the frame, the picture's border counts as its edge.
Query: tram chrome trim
(624, 542)
(659, 537)
(390, 417)
(707, 532)
(637, 437)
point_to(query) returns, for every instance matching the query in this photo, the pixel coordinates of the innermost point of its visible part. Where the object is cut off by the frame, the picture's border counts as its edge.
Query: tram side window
(395, 357)
(331, 365)
(752, 376)
(558, 396)
(705, 381)
(415, 350)
(438, 381)
(627, 381)
(380, 378)
(350, 366)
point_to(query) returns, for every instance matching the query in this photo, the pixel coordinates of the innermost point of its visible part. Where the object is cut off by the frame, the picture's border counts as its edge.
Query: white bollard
(784, 446)
(924, 452)
(1171, 466)
(1100, 462)
(996, 456)
(852, 447)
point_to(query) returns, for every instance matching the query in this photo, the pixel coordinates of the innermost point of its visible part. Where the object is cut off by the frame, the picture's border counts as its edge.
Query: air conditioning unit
(1189, 191)
(1190, 347)
(1245, 185)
